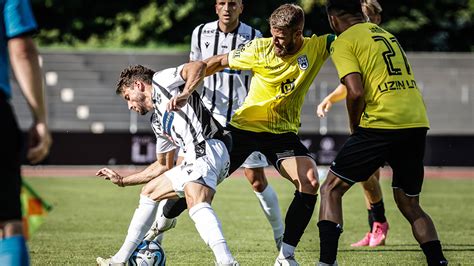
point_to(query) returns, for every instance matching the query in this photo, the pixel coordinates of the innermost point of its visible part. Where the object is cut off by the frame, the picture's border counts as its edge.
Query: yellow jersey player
(284, 66)
(388, 122)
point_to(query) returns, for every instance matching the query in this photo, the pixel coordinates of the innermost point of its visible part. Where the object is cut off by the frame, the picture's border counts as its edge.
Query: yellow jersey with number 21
(278, 85)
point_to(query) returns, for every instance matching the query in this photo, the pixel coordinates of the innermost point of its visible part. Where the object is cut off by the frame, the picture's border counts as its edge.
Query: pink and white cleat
(379, 234)
(363, 242)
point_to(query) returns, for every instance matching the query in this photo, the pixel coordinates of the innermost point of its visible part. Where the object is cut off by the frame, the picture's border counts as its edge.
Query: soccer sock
(269, 203)
(329, 233)
(209, 227)
(297, 217)
(141, 222)
(378, 212)
(13, 251)
(434, 253)
(371, 219)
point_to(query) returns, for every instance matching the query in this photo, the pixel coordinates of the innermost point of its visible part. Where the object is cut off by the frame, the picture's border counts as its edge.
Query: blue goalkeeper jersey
(16, 19)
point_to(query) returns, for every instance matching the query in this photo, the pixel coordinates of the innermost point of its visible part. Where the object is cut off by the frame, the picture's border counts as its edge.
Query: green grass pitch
(90, 218)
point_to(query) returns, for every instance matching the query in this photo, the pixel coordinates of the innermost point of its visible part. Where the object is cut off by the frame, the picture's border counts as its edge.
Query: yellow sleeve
(344, 58)
(244, 57)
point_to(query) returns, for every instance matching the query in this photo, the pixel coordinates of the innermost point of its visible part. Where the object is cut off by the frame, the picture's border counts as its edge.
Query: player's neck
(226, 28)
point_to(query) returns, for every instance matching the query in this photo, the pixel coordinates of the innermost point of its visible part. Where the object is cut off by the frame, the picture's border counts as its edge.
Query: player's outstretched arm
(193, 74)
(337, 95)
(164, 162)
(25, 65)
(216, 63)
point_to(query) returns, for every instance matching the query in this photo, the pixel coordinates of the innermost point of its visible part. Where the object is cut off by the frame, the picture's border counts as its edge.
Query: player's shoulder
(169, 77)
(207, 29)
(249, 30)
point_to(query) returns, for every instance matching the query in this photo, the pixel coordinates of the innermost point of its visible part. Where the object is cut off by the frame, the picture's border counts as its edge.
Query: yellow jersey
(278, 85)
(392, 97)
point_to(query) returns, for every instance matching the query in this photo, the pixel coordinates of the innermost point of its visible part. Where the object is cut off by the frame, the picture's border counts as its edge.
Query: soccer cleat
(379, 234)
(288, 261)
(234, 263)
(279, 242)
(108, 262)
(363, 242)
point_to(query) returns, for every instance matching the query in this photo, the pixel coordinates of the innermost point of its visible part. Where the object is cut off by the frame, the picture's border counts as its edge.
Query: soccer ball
(148, 253)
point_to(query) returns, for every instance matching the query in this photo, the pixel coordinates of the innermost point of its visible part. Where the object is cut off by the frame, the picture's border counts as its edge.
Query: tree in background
(443, 25)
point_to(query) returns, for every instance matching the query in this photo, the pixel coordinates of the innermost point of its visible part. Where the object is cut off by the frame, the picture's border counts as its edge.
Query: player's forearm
(152, 171)
(25, 65)
(339, 94)
(216, 63)
(193, 73)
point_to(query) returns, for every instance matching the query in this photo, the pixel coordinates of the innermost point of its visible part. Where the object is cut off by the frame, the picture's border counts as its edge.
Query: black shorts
(368, 149)
(275, 147)
(10, 162)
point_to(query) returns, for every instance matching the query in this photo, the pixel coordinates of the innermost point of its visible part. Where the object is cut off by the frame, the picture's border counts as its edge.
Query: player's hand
(111, 175)
(177, 102)
(39, 142)
(323, 108)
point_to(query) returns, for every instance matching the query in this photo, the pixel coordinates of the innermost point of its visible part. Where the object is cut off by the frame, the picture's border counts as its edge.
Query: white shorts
(208, 170)
(255, 160)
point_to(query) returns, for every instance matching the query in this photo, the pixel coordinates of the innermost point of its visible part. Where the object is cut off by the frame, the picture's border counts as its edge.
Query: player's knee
(257, 179)
(310, 182)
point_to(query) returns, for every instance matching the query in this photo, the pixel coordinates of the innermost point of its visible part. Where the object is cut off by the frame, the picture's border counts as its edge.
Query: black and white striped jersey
(226, 90)
(187, 128)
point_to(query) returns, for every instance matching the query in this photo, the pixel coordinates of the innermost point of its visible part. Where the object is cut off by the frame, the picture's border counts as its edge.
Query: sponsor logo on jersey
(303, 62)
(209, 31)
(207, 44)
(287, 86)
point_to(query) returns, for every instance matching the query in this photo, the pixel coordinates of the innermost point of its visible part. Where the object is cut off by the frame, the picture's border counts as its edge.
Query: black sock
(297, 217)
(329, 233)
(174, 207)
(434, 253)
(371, 219)
(378, 212)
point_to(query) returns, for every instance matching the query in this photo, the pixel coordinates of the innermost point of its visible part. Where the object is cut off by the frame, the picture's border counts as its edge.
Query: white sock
(269, 203)
(286, 251)
(209, 227)
(141, 222)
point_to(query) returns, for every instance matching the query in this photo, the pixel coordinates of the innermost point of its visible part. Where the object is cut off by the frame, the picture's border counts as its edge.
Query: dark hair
(341, 7)
(287, 16)
(132, 73)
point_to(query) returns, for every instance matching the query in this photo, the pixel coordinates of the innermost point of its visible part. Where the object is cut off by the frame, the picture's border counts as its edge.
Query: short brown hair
(372, 5)
(132, 73)
(287, 16)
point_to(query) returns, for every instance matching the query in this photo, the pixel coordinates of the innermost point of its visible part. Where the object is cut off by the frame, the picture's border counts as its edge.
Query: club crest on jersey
(303, 62)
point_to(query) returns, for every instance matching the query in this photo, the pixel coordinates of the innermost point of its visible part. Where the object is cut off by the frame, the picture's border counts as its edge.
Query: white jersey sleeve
(195, 53)
(163, 144)
(258, 34)
(170, 77)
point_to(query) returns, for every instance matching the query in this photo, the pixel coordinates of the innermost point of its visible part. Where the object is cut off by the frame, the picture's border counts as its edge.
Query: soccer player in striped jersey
(284, 67)
(388, 122)
(205, 164)
(372, 191)
(226, 90)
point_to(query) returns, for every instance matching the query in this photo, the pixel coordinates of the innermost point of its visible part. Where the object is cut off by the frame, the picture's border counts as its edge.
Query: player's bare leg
(302, 172)
(422, 227)
(199, 198)
(268, 201)
(376, 213)
(330, 217)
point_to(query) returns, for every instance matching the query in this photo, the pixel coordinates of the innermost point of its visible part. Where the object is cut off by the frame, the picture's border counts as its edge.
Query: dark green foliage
(442, 25)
